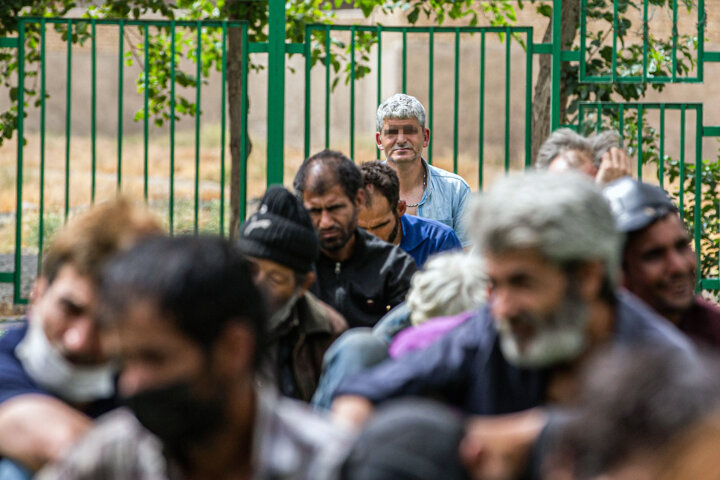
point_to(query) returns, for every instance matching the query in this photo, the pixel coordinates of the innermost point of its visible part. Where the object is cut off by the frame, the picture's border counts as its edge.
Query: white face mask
(557, 339)
(52, 371)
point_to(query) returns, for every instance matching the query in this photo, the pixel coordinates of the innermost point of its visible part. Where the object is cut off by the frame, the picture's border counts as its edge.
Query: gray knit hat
(281, 231)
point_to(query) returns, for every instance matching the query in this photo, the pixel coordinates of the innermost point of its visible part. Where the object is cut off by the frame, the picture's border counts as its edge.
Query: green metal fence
(499, 51)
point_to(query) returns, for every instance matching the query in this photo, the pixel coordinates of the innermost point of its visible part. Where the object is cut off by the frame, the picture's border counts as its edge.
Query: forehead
(378, 204)
(401, 122)
(144, 325)
(667, 230)
(516, 262)
(334, 195)
(69, 283)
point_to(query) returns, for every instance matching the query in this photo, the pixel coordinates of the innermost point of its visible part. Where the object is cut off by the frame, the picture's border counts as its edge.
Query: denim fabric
(445, 200)
(354, 351)
(392, 323)
(10, 470)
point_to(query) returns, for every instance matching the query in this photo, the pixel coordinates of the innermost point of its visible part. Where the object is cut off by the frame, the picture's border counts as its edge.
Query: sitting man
(54, 377)
(282, 246)
(358, 274)
(188, 324)
(384, 216)
(659, 266)
(428, 191)
(597, 156)
(552, 257)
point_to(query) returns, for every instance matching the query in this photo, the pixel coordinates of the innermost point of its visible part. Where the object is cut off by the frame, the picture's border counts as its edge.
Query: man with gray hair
(597, 156)
(428, 191)
(552, 258)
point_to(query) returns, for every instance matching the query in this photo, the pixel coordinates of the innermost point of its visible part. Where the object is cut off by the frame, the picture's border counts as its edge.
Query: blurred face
(334, 215)
(403, 140)
(65, 308)
(276, 280)
(573, 160)
(539, 318)
(659, 266)
(379, 219)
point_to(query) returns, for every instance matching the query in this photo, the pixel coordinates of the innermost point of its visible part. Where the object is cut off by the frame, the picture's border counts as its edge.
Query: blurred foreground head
(552, 255)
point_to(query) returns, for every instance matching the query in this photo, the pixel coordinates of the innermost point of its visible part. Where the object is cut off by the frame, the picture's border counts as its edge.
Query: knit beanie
(281, 231)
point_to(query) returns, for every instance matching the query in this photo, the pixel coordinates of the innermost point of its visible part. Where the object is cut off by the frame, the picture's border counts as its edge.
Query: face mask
(559, 338)
(176, 416)
(279, 317)
(51, 370)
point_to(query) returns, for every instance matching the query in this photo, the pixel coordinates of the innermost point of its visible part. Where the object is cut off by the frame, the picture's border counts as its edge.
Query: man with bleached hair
(428, 191)
(597, 156)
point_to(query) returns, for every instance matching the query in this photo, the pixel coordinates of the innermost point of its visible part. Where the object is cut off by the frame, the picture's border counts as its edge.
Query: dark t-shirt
(15, 381)
(702, 323)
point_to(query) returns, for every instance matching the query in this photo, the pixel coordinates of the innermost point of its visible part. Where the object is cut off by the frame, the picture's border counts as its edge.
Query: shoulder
(448, 177)
(14, 380)
(382, 250)
(429, 226)
(323, 315)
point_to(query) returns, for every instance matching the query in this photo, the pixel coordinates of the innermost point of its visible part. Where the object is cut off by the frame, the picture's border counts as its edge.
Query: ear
(234, 350)
(38, 290)
(360, 198)
(402, 207)
(309, 280)
(590, 277)
(426, 135)
(377, 140)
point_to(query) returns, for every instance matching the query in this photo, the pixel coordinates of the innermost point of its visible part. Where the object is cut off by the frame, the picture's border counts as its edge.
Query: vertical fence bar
(352, 92)
(43, 92)
(508, 39)
(661, 160)
(614, 41)
(682, 158)
(244, 115)
(583, 34)
(276, 85)
(327, 86)
(581, 119)
(198, 83)
(702, 24)
(93, 111)
(404, 60)
(675, 41)
(528, 99)
(68, 118)
(146, 111)
(639, 141)
(556, 64)
(20, 137)
(223, 109)
(697, 222)
(621, 121)
(308, 89)
(456, 101)
(645, 42)
(481, 113)
(379, 76)
(431, 87)
(598, 124)
(171, 202)
(121, 54)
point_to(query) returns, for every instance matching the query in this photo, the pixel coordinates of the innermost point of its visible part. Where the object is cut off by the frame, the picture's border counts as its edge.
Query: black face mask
(176, 416)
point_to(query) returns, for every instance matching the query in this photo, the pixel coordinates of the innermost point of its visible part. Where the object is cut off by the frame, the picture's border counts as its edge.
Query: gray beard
(276, 320)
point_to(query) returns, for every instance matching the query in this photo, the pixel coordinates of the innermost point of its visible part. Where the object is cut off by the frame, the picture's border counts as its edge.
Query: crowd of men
(376, 323)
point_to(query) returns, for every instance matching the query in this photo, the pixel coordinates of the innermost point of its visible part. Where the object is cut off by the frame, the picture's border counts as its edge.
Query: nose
(677, 263)
(326, 220)
(502, 304)
(81, 338)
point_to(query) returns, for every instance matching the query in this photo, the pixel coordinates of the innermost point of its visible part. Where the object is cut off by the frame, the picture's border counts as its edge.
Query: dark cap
(281, 231)
(635, 205)
(408, 439)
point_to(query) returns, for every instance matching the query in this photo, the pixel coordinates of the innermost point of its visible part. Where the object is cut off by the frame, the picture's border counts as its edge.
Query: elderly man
(54, 375)
(188, 325)
(282, 246)
(552, 256)
(358, 274)
(659, 266)
(384, 216)
(428, 191)
(597, 156)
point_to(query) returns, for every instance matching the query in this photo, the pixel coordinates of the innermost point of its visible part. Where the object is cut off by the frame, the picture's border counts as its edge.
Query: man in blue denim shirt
(428, 191)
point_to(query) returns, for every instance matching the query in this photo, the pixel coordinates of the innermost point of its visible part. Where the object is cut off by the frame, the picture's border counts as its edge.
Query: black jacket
(368, 284)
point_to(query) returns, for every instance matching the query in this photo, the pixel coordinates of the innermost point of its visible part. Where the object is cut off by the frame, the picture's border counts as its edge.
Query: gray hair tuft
(400, 107)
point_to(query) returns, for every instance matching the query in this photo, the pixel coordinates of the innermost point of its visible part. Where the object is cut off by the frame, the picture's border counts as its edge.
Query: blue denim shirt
(445, 200)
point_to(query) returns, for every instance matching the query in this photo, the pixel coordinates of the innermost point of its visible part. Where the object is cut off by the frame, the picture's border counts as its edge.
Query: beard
(555, 338)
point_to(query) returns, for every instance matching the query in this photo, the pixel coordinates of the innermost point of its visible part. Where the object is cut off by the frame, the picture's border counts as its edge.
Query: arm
(459, 220)
(37, 429)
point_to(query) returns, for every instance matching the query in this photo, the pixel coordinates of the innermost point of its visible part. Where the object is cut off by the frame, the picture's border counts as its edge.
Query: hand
(615, 163)
(352, 410)
(497, 448)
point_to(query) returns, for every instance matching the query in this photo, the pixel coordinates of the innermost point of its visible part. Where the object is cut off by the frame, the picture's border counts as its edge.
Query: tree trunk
(543, 86)
(237, 122)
